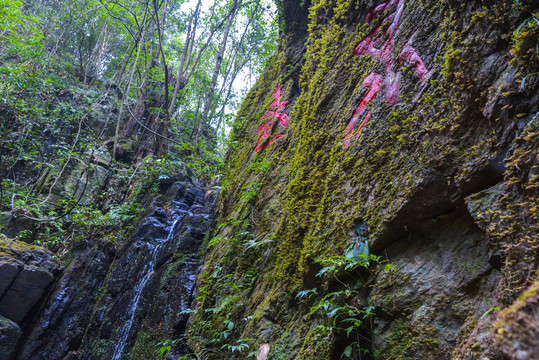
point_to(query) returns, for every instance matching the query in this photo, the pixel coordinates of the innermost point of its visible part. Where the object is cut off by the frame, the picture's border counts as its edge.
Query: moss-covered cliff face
(416, 121)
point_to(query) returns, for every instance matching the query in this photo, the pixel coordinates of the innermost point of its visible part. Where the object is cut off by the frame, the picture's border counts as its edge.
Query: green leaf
(497, 308)
(163, 349)
(348, 351)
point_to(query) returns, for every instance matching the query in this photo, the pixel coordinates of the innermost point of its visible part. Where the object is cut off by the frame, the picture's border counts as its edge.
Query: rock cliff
(381, 195)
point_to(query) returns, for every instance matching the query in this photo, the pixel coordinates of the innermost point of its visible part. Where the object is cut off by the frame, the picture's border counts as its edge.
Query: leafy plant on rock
(343, 311)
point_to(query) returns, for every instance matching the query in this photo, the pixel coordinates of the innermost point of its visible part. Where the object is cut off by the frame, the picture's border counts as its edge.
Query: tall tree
(219, 62)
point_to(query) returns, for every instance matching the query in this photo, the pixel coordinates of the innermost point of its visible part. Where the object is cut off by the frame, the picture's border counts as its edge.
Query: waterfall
(106, 297)
(148, 271)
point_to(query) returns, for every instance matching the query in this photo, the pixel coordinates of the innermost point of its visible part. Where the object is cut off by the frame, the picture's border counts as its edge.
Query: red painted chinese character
(372, 82)
(410, 53)
(265, 129)
(384, 54)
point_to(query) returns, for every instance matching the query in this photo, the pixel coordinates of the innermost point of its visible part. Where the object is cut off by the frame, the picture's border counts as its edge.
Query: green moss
(146, 346)
(12, 247)
(280, 350)
(406, 340)
(317, 343)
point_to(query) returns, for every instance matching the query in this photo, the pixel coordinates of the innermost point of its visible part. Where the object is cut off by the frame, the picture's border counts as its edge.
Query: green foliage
(306, 293)
(240, 346)
(250, 192)
(19, 34)
(340, 308)
(496, 308)
(21, 53)
(254, 242)
(526, 43)
(97, 223)
(339, 264)
(164, 348)
(200, 158)
(64, 70)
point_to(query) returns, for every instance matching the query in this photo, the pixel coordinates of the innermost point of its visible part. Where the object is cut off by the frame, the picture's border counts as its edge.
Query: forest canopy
(123, 84)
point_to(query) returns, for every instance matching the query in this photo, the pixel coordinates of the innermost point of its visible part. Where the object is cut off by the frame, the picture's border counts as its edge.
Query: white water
(148, 270)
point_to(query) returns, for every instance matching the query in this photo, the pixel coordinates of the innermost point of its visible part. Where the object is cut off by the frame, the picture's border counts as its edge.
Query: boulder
(9, 336)
(80, 179)
(24, 292)
(27, 272)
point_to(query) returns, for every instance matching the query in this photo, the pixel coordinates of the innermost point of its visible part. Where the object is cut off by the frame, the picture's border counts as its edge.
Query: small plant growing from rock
(344, 311)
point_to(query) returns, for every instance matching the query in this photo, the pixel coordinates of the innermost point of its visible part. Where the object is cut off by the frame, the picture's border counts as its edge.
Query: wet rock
(160, 214)
(110, 304)
(153, 280)
(60, 326)
(194, 195)
(9, 272)
(151, 227)
(176, 190)
(9, 336)
(41, 258)
(24, 292)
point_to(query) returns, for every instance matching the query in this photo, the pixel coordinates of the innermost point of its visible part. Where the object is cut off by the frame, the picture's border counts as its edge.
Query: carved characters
(265, 129)
(369, 46)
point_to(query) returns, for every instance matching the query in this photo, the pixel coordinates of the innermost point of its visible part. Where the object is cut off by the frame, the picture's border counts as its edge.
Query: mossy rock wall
(444, 175)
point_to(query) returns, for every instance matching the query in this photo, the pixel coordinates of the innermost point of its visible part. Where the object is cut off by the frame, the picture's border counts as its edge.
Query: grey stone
(438, 275)
(25, 292)
(5, 218)
(26, 272)
(9, 271)
(82, 178)
(480, 204)
(9, 336)
(518, 326)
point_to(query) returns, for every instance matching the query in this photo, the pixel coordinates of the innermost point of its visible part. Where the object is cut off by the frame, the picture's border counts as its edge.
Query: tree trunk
(161, 144)
(218, 62)
(124, 98)
(180, 82)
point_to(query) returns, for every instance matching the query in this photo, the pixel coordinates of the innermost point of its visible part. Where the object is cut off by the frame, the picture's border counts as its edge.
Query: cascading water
(122, 305)
(148, 271)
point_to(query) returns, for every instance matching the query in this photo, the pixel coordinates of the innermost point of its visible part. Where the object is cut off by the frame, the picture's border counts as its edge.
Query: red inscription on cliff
(379, 44)
(265, 129)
